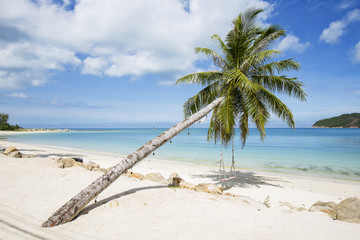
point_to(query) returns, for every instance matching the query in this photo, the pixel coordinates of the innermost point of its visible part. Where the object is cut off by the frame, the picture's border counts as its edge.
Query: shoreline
(32, 130)
(148, 210)
(335, 127)
(94, 155)
(289, 173)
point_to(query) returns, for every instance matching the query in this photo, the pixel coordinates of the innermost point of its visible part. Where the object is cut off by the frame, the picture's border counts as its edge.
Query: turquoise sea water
(331, 153)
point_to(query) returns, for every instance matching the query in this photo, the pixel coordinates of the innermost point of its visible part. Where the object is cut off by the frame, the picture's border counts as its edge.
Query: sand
(33, 188)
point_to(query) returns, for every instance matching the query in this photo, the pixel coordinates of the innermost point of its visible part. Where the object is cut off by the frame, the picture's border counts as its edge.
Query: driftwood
(71, 209)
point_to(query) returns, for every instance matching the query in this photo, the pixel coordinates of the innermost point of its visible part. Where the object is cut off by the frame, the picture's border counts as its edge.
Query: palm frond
(201, 99)
(220, 42)
(244, 126)
(239, 79)
(267, 36)
(217, 59)
(279, 108)
(273, 68)
(216, 131)
(258, 59)
(245, 22)
(227, 112)
(258, 111)
(282, 84)
(201, 78)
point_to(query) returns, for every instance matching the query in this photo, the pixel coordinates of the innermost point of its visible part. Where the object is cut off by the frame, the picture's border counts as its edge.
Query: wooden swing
(222, 172)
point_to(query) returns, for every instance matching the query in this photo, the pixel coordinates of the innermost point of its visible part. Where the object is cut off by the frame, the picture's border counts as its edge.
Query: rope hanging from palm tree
(222, 173)
(232, 168)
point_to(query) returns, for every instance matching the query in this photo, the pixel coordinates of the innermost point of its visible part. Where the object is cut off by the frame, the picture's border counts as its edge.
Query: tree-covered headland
(5, 126)
(343, 121)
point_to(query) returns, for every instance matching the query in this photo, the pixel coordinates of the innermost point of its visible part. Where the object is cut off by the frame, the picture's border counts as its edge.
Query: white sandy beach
(34, 188)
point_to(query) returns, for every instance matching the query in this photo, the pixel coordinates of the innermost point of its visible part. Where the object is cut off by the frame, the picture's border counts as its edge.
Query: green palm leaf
(201, 78)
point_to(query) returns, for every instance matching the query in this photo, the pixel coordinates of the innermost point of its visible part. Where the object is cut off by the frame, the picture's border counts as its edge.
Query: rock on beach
(349, 210)
(174, 180)
(209, 188)
(65, 162)
(15, 154)
(10, 150)
(155, 177)
(325, 207)
(131, 174)
(187, 185)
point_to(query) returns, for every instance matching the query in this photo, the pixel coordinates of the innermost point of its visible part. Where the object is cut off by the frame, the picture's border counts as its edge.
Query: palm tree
(247, 79)
(240, 91)
(72, 208)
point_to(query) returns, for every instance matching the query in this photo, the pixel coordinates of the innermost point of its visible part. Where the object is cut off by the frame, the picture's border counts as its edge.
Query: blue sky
(114, 63)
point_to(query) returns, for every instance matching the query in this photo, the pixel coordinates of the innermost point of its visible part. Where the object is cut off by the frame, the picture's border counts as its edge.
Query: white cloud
(356, 53)
(353, 16)
(345, 4)
(26, 63)
(333, 32)
(337, 28)
(94, 66)
(292, 43)
(118, 38)
(18, 95)
(32, 55)
(15, 79)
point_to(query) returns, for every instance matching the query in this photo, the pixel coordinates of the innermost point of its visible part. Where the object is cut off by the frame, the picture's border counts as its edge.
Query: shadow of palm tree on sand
(241, 179)
(87, 209)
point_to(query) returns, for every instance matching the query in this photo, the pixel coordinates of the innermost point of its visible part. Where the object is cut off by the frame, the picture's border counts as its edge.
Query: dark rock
(78, 160)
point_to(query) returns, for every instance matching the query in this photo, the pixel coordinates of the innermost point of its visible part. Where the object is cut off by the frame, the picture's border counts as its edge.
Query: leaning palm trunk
(70, 210)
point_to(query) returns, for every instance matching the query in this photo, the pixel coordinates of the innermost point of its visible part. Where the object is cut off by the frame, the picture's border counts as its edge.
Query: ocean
(329, 153)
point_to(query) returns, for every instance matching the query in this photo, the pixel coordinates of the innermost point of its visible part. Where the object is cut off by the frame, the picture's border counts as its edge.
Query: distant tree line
(346, 121)
(4, 125)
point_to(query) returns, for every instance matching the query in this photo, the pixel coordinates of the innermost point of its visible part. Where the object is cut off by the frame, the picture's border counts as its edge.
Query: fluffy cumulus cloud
(116, 38)
(94, 66)
(292, 43)
(333, 32)
(27, 63)
(337, 28)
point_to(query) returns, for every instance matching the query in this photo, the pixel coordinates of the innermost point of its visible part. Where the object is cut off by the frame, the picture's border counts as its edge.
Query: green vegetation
(4, 125)
(248, 77)
(343, 121)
